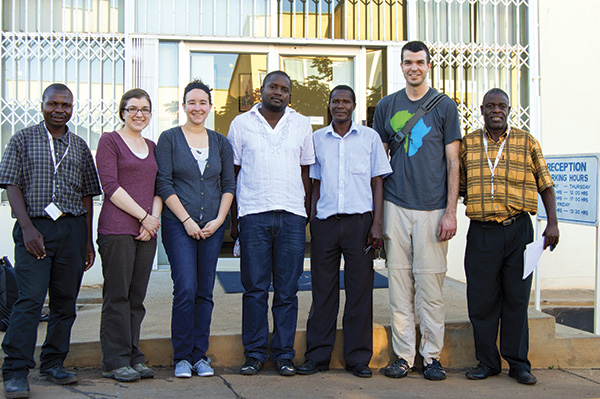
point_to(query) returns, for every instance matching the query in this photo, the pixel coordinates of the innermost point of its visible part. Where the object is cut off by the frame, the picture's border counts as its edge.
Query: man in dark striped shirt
(50, 177)
(502, 170)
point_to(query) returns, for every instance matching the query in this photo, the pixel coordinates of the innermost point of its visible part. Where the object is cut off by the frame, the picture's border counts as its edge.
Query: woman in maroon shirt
(127, 228)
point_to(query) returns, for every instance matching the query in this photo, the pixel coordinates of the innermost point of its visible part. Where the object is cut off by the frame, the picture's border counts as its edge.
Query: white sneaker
(183, 369)
(203, 369)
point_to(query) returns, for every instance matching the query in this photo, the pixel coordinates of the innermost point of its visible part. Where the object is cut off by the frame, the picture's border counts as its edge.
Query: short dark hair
(55, 87)
(495, 90)
(128, 95)
(197, 84)
(415, 47)
(280, 73)
(343, 87)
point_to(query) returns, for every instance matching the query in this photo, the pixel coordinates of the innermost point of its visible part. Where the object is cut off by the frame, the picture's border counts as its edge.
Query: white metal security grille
(477, 45)
(90, 64)
(71, 41)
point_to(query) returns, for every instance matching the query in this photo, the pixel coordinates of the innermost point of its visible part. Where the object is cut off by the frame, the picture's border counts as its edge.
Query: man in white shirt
(273, 148)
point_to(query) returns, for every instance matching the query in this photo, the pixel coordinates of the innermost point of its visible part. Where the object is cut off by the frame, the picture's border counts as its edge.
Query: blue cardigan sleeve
(227, 171)
(164, 159)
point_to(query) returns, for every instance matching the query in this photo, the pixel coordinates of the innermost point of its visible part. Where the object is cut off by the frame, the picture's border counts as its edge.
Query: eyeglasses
(134, 110)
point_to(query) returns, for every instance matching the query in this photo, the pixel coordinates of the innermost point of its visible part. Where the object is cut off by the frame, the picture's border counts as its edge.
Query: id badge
(53, 211)
(378, 262)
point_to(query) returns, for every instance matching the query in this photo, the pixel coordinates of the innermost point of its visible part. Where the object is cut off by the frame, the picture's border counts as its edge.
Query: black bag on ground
(8, 291)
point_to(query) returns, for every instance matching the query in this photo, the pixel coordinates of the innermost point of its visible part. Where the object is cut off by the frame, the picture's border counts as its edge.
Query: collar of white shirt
(288, 111)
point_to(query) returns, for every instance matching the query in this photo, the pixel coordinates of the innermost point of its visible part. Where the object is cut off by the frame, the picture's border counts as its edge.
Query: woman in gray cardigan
(196, 181)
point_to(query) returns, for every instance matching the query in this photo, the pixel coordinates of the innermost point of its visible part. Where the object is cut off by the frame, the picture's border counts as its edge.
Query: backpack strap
(424, 108)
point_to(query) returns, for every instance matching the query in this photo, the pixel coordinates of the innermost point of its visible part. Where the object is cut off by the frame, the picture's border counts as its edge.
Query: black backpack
(8, 291)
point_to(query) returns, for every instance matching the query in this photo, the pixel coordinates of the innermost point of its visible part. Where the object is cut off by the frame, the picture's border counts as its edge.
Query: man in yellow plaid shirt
(502, 170)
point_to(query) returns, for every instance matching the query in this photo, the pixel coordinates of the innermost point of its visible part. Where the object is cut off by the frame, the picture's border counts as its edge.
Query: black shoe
(481, 372)
(16, 388)
(522, 376)
(398, 369)
(360, 370)
(434, 371)
(311, 367)
(251, 367)
(59, 375)
(285, 367)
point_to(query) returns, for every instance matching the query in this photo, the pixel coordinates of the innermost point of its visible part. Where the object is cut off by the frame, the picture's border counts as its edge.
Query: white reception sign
(576, 184)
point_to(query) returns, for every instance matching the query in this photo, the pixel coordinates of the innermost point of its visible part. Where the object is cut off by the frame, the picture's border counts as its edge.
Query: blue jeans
(272, 245)
(193, 269)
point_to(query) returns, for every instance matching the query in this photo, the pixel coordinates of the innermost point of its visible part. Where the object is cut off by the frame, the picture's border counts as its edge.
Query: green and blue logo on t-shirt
(414, 140)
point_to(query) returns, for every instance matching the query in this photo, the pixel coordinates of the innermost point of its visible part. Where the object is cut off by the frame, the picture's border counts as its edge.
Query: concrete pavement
(228, 384)
(566, 382)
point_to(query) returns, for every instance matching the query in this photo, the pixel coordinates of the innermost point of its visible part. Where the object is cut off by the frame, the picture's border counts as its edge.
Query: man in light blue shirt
(347, 200)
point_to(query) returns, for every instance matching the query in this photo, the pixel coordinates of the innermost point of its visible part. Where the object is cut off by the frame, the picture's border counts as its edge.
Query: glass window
(313, 77)
(202, 17)
(482, 22)
(166, 109)
(321, 19)
(374, 79)
(104, 16)
(235, 80)
(370, 20)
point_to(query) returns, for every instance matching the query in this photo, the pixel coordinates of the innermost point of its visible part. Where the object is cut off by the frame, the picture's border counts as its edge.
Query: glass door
(235, 72)
(313, 77)
(315, 71)
(235, 80)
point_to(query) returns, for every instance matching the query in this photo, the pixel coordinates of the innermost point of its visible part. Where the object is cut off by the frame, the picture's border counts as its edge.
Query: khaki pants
(416, 263)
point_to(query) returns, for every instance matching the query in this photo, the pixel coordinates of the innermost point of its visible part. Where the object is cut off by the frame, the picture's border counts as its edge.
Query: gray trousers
(126, 267)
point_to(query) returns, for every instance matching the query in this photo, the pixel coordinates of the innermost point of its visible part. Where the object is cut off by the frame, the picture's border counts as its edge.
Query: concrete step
(576, 348)
(551, 345)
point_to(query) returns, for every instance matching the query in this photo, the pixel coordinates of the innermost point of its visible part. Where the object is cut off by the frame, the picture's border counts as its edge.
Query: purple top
(118, 167)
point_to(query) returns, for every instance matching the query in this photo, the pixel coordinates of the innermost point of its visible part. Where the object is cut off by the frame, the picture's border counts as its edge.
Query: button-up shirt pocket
(360, 162)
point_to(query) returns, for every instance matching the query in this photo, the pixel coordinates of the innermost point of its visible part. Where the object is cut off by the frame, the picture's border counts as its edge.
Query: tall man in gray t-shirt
(419, 217)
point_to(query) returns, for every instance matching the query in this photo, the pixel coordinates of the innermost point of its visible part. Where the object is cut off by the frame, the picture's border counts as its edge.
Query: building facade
(100, 48)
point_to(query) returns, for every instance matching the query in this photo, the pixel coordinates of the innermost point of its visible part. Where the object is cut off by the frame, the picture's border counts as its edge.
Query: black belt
(341, 215)
(346, 215)
(509, 221)
(62, 216)
(504, 223)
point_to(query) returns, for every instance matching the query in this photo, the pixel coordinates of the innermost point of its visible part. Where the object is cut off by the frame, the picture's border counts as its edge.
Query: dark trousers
(497, 292)
(331, 238)
(272, 245)
(126, 267)
(59, 274)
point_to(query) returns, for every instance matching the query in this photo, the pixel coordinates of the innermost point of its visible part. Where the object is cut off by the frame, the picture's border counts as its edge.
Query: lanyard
(498, 156)
(54, 163)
